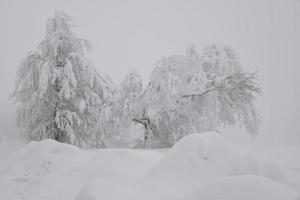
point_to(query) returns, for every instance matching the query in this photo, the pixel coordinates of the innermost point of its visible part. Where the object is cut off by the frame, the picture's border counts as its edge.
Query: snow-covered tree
(186, 94)
(61, 96)
(197, 93)
(164, 109)
(118, 112)
(58, 91)
(229, 89)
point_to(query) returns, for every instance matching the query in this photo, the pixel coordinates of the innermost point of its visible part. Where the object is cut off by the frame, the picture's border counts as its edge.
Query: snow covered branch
(57, 86)
(236, 94)
(240, 83)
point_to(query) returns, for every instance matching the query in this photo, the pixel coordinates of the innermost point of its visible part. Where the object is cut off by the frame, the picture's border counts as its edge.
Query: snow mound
(199, 158)
(122, 164)
(50, 146)
(110, 190)
(37, 166)
(115, 171)
(245, 187)
(43, 152)
(48, 153)
(200, 166)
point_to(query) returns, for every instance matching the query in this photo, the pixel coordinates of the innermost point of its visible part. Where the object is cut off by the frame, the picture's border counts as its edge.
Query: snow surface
(200, 166)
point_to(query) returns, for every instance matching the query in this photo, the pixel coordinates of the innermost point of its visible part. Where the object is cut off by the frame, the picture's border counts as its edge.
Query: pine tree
(58, 91)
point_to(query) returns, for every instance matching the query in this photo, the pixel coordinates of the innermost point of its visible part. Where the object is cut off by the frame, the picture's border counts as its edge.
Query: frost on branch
(57, 86)
(234, 90)
(65, 121)
(235, 95)
(236, 101)
(115, 121)
(197, 94)
(60, 95)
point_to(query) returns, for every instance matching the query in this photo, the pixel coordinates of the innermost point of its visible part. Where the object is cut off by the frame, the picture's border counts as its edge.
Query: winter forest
(149, 100)
(61, 96)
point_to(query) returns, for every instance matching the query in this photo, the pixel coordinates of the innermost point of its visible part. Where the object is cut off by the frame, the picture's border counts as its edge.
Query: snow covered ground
(200, 166)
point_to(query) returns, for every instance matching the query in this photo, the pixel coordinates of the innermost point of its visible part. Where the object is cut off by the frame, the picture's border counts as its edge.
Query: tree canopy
(60, 95)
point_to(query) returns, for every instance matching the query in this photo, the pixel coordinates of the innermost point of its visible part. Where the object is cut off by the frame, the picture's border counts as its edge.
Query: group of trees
(61, 96)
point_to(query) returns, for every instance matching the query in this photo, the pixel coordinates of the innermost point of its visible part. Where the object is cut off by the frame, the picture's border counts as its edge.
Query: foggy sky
(134, 34)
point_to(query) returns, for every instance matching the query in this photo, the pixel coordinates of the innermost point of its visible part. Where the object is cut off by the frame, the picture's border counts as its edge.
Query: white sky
(135, 34)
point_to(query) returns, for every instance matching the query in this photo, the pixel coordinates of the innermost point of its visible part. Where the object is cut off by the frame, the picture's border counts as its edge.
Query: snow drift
(197, 163)
(245, 187)
(198, 159)
(200, 166)
(54, 170)
(208, 156)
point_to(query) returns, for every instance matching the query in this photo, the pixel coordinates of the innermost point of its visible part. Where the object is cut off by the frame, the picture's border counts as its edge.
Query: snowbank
(116, 172)
(53, 170)
(47, 154)
(199, 158)
(245, 187)
(36, 169)
(200, 166)
(196, 163)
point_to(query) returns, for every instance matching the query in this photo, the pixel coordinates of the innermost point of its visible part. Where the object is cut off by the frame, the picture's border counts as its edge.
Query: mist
(134, 35)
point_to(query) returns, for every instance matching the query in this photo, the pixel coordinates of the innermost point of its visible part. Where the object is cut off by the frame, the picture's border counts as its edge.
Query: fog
(133, 35)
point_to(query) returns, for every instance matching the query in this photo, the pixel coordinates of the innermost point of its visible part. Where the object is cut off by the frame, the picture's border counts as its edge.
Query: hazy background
(133, 35)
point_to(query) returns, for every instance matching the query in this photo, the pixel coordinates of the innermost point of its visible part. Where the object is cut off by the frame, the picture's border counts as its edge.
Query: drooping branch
(244, 82)
(237, 100)
(236, 95)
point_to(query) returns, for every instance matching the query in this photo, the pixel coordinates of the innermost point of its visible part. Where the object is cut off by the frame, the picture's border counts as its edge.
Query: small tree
(58, 92)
